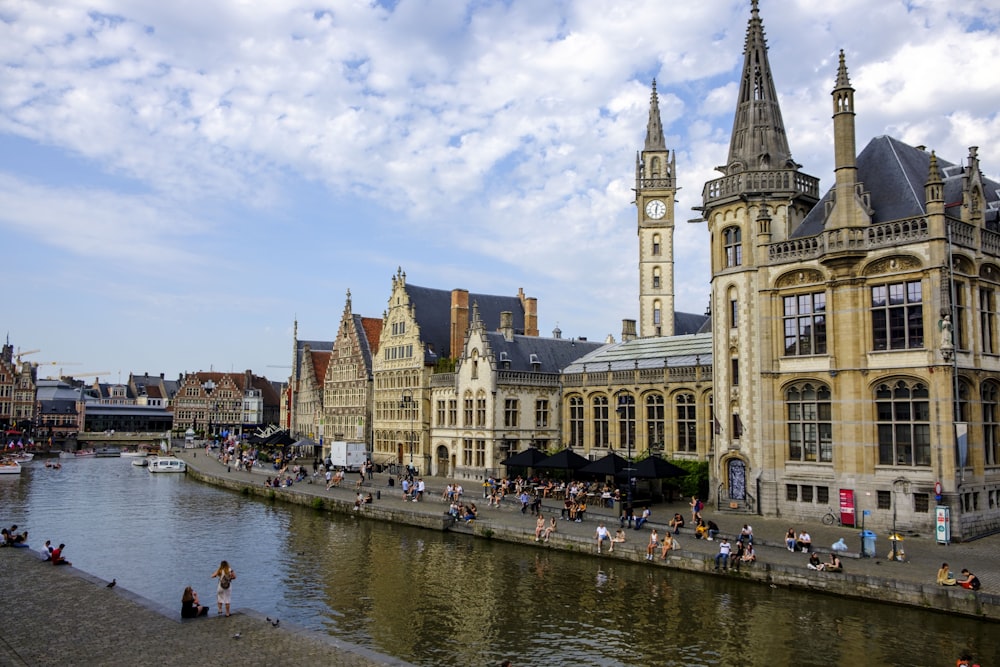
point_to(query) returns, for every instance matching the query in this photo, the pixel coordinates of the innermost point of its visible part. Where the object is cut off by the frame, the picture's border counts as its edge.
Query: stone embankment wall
(954, 600)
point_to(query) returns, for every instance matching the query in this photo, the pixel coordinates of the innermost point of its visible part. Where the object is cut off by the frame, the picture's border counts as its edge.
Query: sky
(180, 182)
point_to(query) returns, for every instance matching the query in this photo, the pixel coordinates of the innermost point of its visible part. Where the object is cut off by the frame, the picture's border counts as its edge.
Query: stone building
(17, 391)
(305, 386)
(424, 330)
(855, 336)
(504, 396)
(211, 403)
(347, 384)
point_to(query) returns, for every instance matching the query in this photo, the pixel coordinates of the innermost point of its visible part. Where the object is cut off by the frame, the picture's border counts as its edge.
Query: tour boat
(80, 453)
(166, 464)
(108, 452)
(8, 467)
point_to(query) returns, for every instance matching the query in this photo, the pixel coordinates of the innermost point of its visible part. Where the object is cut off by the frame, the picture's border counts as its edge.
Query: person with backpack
(223, 593)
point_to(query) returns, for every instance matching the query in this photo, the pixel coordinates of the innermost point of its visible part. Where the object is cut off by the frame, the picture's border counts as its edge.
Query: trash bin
(392, 482)
(867, 544)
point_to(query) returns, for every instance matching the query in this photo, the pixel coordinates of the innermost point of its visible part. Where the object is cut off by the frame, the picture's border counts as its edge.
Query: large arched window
(810, 427)
(904, 431)
(733, 242)
(655, 431)
(687, 423)
(576, 421)
(602, 437)
(991, 423)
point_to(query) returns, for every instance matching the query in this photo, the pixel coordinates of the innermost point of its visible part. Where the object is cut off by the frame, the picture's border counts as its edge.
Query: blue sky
(180, 181)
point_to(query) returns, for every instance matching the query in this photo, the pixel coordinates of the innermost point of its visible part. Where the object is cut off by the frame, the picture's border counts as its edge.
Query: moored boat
(80, 453)
(166, 464)
(140, 462)
(108, 452)
(9, 467)
(132, 453)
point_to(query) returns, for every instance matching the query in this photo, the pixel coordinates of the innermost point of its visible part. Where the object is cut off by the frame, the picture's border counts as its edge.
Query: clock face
(656, 209)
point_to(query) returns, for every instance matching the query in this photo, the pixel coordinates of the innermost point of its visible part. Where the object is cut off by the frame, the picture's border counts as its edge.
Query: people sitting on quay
(803, 542)
(814, 562)
(736, 555)
(646, 513)
(713, 530)
(46, 551)
(790, 539)
(677, 523)
(969, 581)
(722, 558)
(470, 513)
(20, 540)
(619, 538)
(834, 564)
(945, 577)
(57, 557)
(539, 527)
(669, 544)
(190, 607)
(359, 500)
(581, 511)
(551, 528)
(700, 529)
(654, 541)
(746, 534)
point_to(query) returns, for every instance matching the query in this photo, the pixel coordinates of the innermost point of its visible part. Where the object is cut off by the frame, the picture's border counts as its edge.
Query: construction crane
(23, 354)
(94, 374)
(60, 364)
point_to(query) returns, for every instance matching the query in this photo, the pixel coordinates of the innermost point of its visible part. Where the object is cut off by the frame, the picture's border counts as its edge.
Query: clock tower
(654, 198)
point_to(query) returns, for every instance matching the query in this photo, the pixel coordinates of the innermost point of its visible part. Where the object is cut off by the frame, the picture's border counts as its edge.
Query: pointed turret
(934, 187)
(654, 128)
(758, 140)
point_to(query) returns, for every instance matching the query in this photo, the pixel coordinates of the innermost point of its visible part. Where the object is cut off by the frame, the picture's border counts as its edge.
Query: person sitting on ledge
(814, 563)
(834, 564)
(677, 523)
(804, 542)
(700, 529)
(969, 581)
(190, 608)
(944, 576)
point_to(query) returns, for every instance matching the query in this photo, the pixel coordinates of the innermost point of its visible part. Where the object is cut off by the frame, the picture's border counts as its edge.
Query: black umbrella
(566, 459)
(612, 464)
(653, 467)
(526, 458)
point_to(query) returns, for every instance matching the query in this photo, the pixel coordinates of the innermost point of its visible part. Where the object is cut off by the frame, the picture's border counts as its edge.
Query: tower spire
(758, 140)
(654, 128)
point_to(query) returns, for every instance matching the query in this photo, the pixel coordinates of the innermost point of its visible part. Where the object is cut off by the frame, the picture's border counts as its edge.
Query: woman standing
(223, 593)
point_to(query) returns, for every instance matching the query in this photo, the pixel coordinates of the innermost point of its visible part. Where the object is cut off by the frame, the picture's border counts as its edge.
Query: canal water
(439, 599)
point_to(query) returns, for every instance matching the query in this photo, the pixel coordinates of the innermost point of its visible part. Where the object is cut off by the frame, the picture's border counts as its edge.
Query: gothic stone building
(856, 344)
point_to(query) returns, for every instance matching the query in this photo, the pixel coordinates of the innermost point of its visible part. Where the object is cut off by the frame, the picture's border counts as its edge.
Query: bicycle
(831, 518)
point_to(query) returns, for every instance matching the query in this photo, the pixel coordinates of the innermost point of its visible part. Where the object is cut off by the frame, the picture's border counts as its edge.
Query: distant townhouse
(210, 403)
(347, 386)
(424, 330)
(503, 396)
(303, 407)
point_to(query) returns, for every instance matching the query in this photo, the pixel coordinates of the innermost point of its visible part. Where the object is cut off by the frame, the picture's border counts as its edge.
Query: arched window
(657, 313)
(655, 432)
(733, 241)
(687, 423)
(656, 244)
(904, 431)
(599, 406)
(810, 423)
(575, 421)
(991, 423)
(656, 277)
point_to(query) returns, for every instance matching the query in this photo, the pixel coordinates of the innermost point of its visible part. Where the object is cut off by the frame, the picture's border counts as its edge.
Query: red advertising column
(847, 516)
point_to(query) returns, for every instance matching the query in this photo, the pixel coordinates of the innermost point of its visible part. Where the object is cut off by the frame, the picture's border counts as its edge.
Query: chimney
(628, 330)
(507, 325)
(530, 305)
(459, 320)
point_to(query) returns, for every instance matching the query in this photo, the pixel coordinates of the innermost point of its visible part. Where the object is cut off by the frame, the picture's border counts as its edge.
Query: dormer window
(535, 363)
(505, 360)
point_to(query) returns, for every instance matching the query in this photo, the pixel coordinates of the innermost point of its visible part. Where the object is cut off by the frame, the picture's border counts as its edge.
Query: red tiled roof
(373, 332)
(320, 361)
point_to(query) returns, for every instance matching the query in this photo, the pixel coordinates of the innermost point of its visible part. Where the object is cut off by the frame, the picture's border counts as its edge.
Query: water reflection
(443, 599)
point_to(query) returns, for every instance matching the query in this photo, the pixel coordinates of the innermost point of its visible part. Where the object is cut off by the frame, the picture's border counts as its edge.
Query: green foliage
(695, 483)
(444, 365)
(270, 494)
(317, 503)
(245, 490)
(487, 533)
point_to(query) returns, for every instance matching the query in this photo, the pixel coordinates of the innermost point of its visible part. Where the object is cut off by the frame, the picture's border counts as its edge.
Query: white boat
(140, 462)
(23, 457)
(166, 464)
(133, 453)
(80, 453)
(10, 468)
(108, 452)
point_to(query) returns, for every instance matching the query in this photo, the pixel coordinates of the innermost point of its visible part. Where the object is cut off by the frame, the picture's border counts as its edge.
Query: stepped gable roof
(267, 390)
(894, 173)
(552, 354)
(654, 352)
(432, 308)
(688, 323)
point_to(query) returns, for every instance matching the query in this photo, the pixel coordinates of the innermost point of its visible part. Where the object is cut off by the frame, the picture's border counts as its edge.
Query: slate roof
(688, 323)
(553, 354)
(432, 308)
(656, 352)
(894, 173)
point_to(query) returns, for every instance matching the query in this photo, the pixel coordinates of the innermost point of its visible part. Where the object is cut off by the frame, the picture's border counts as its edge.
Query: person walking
(223, 593)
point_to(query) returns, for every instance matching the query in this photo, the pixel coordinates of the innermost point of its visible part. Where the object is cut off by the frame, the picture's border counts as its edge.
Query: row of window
(398, 352)
(820, 495)
(685, 421)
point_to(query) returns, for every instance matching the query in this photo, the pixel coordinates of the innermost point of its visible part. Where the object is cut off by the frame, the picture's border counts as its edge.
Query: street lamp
(626, 415)
(406, 403)
(898, 484)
